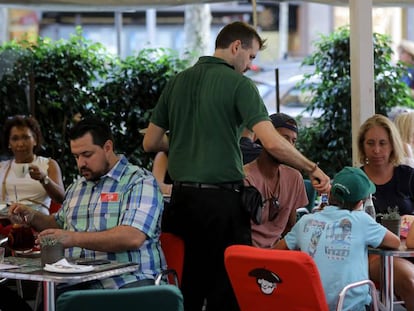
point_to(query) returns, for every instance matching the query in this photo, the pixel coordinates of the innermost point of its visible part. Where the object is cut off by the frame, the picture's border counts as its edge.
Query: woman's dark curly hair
(22, 121)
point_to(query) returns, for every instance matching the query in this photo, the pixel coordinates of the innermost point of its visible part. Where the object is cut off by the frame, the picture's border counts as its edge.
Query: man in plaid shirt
(111, 212)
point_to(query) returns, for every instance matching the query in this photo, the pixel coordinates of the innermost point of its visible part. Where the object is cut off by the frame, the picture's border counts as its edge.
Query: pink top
(291, 194)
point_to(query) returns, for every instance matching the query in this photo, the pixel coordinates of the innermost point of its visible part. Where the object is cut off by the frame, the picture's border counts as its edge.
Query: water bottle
(369, 207)
(324, 201)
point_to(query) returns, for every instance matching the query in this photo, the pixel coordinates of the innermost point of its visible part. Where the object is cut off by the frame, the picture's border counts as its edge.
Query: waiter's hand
(320, 181)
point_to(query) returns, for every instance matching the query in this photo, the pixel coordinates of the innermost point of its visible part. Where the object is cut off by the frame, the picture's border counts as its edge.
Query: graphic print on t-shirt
(338, 239)
(316, 228)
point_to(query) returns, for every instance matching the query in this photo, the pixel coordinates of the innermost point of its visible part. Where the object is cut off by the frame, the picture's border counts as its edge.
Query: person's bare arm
(281, 244)
(21, 213)
(290, 223)
(117, 239)
(57, 191)
(155, 139)
(390, 240)
(281, 149)
(159, 170)
(410, 237)
(54, 188)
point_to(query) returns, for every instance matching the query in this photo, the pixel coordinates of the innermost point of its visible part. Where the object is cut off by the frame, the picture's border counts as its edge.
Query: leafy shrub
(53, 82)
(329, 139)
(57, 82)
(129, 94)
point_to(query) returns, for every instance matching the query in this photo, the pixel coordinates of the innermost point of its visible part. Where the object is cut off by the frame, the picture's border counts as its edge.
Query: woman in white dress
(28, 178)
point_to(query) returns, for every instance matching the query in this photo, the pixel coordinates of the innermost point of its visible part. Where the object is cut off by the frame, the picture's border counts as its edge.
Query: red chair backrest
(274, 279)
(173, 248)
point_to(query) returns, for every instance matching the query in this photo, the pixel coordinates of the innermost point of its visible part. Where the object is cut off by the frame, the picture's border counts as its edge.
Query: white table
(387, 272)
(30, 269)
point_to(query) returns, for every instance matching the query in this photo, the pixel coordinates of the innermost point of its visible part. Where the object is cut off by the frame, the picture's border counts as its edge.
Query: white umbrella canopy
(97, 5)
(374, 2)
(89, 5)
(154, 3)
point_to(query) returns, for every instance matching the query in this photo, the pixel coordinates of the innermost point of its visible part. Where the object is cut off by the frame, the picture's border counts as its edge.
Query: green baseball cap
(351, 184)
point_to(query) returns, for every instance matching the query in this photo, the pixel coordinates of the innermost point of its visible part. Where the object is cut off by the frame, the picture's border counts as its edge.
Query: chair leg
(19, 288)
(38, 295)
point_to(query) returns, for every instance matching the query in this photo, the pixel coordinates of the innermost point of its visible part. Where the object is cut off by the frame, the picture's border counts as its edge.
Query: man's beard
(94, 176)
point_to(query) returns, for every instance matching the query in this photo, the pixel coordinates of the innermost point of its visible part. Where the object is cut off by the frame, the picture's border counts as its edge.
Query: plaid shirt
(126, 195)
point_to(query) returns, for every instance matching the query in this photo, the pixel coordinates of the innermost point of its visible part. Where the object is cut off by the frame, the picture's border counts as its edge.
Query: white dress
(25, 189)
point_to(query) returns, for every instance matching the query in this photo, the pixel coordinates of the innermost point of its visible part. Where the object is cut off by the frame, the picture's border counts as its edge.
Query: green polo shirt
(204, 108)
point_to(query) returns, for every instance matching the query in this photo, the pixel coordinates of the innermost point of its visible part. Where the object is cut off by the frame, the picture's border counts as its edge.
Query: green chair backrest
(311, 193)
(145, 298)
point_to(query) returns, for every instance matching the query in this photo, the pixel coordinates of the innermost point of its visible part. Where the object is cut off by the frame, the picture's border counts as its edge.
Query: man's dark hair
(238, 31)
(350, 206)
(99, 130)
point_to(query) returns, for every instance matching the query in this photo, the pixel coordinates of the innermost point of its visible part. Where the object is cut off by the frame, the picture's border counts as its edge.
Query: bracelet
(45, 180)
(314, 168)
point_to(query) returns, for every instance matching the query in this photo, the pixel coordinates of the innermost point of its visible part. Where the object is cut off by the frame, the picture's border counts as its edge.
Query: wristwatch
(45, 181)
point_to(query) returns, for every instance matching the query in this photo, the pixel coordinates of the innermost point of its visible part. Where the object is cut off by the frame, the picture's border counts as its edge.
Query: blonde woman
(405, 126)
(381, 153)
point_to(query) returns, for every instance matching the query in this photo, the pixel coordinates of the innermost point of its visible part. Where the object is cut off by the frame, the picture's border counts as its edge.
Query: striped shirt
(126, 195)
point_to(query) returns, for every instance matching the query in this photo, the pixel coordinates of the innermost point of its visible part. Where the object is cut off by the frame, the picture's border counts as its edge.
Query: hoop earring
(366, 161)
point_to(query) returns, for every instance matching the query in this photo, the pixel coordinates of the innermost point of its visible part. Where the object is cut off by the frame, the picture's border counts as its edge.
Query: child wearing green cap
(338, 238)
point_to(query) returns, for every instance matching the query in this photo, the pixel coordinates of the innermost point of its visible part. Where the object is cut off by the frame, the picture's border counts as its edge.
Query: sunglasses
(274, 207)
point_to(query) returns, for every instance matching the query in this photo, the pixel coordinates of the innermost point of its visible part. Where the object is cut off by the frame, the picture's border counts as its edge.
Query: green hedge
(329, 139)
(58, 81)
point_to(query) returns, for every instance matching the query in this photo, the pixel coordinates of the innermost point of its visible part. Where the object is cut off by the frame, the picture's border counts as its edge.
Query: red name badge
(109, 197)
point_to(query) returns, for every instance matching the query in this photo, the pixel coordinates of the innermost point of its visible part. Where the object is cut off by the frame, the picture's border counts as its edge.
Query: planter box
(393, 225)
(49, 254)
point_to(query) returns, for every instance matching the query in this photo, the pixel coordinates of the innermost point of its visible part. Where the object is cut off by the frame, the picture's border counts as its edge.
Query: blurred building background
(290, 27)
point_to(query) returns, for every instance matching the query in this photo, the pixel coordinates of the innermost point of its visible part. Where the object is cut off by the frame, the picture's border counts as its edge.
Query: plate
(27, 251)
(68, 269)
(31, 253)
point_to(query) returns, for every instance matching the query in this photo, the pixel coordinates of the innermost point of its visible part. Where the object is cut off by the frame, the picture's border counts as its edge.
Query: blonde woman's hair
(397, 153)
(405, 125)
